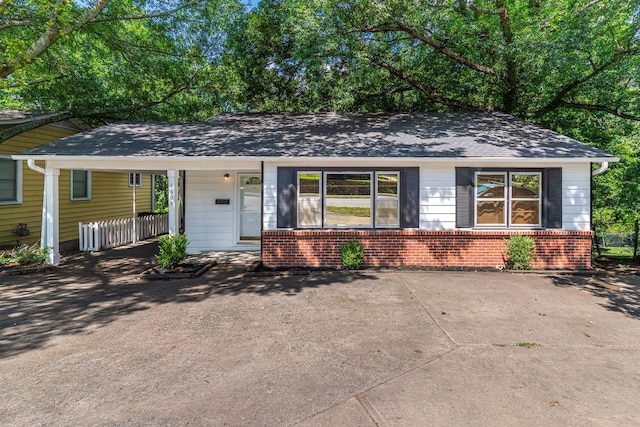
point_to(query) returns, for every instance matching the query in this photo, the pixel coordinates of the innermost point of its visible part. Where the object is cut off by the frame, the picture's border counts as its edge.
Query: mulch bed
(17, 269)
(181, 271)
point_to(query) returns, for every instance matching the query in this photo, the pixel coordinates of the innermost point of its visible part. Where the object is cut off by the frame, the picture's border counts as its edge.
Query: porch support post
(49, 235)
(174, 221)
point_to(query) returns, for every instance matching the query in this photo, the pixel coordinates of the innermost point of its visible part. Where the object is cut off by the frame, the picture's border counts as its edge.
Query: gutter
(299, 160)
(603, 167)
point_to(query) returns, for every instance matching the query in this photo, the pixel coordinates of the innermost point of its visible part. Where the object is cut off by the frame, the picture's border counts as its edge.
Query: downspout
(261, 205)
(603, 167)
(32, 165)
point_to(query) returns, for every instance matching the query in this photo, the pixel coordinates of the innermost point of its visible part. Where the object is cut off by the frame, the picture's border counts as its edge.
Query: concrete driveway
(89, 344)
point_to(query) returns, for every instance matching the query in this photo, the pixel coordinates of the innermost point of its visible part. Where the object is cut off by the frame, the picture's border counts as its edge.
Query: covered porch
(224, 199)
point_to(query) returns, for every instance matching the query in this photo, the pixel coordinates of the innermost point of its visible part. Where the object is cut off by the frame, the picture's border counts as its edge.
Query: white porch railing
(99, 235)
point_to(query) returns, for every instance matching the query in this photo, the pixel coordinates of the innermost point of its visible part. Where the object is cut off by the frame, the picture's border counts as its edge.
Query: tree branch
(50, 35)
(596, 107)
(558, 99)
(433, 43)
(483, 11)
(145, 16)
(38, 81)
(429, 92)
(12, 23)
(587, 6)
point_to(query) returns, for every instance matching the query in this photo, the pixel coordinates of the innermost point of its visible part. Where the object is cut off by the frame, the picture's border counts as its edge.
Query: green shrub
(172, 250)
(4, 258)
(520, 251)
(25, 254)
(352, 254)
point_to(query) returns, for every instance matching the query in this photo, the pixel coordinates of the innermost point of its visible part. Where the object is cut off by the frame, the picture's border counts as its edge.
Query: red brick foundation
(391, 248)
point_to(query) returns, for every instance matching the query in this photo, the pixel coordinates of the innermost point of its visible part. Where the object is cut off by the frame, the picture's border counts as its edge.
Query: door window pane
(8, 180)
(250, 207)
(348, 200)
(387, 200)
(309, 199)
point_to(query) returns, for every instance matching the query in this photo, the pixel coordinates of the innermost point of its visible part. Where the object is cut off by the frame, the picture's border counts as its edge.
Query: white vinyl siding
(270, 197)
(211, 227)
(437, 197)
(576, 196)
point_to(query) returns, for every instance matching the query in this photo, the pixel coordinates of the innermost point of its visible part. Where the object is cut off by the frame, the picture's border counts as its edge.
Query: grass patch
(23, 255)
(520, 344)
(624, 252)
(528, 344)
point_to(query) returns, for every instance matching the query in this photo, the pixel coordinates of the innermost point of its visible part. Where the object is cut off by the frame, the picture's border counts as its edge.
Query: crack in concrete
(374, 415)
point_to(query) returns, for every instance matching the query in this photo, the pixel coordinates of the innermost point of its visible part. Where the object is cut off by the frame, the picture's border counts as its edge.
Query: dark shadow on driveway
(626, 301)
(89, 291)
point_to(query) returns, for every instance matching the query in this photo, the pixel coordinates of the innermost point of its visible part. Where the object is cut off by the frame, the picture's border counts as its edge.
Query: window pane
(387, 203)
(8, 180)
(490, 212)
(525, 186)
(309, 202)
(135, 177)
(490, 186)
(525, 212)
(348, 201)
(79, 184)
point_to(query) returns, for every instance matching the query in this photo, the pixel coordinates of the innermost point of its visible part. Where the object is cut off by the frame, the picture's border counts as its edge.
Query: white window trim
(516, 199)
(504, 199)
(375, 199)
(324, 204)
(18, 199)
(320, 196)
(138, 177)
(507, 201)
(88, 186)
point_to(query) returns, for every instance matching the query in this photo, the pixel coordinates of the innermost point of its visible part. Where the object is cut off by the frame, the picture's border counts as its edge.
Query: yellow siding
(111, 196)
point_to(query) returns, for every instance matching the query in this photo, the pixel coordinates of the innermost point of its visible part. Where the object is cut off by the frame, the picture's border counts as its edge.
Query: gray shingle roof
(22, 115)
(432, 135)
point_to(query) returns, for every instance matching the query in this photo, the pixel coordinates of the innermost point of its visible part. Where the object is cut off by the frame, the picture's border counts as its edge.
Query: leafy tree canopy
(113, 59)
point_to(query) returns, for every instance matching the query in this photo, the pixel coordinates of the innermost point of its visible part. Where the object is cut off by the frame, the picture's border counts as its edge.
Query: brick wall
(459, 248)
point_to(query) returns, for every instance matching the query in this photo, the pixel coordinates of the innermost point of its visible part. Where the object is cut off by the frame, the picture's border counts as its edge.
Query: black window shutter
(286, 197)
(410, 198)
(464, 197)
(552, 182)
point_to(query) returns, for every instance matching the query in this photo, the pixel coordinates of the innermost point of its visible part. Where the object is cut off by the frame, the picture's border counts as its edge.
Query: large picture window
(10, 181)
(363, 199)
(508, 199)
(348, 200)
(80, 185)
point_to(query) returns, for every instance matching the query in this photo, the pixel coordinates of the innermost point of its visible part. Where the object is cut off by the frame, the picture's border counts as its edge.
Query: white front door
(250, 206)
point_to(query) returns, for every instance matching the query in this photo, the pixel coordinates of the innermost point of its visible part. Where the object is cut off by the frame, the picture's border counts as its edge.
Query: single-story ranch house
(433, 189)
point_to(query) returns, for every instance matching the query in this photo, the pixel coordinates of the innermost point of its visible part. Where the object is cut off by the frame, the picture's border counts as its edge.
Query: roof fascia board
(154, 163)
(25, 120)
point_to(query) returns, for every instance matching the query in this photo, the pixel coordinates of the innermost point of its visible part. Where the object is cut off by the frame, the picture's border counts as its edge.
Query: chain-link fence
(617, 244)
